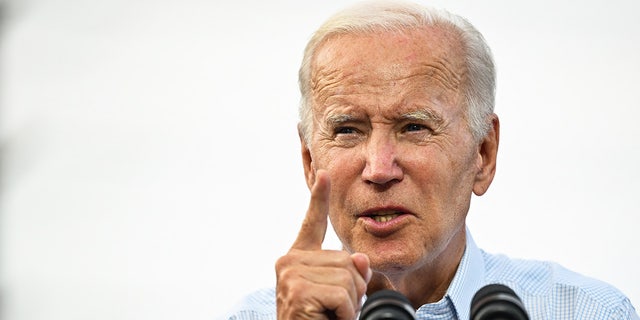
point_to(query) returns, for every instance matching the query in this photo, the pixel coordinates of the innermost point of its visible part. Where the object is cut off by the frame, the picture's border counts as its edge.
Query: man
(398, 131)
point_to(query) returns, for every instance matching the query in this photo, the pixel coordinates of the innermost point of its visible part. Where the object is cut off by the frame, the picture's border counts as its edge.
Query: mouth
(384, 217)
(382, 222)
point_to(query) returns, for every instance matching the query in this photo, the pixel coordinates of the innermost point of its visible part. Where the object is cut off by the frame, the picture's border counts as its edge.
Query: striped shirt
(547, 290)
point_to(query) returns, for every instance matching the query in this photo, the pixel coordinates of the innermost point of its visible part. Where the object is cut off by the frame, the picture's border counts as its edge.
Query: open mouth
(384, 221)
(384, 217)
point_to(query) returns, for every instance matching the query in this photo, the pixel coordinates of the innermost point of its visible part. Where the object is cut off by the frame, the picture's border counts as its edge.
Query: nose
(381, 166)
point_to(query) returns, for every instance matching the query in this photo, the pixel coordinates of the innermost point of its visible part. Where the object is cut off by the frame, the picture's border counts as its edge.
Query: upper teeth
(385, 218)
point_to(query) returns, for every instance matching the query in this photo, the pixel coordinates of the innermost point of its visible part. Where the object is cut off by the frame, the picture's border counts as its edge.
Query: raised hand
(319, 284)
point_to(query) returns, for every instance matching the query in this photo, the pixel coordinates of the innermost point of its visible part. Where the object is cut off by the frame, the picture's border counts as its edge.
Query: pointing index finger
(314, 226)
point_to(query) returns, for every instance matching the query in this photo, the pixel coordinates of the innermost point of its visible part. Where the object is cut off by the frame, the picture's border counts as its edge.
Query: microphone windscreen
(497, 301)
(387, 305)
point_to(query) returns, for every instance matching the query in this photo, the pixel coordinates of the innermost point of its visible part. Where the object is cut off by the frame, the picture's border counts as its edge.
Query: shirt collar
(469, 278)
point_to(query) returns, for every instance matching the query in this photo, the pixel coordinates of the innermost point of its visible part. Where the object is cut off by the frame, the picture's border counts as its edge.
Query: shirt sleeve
(259, 305)
(627, 311)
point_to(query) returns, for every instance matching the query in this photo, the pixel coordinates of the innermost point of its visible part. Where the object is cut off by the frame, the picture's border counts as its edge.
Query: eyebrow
(422, 115)
(337, 119)
(418, 115)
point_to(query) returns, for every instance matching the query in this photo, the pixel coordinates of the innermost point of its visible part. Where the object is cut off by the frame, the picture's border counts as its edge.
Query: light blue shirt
(547, 290)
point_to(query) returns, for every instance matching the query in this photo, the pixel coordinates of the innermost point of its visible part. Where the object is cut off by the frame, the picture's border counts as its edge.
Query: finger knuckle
(282, 262)
(342, 294)
(289, 260)
(344, 276)
(342, 258)
(286, 274)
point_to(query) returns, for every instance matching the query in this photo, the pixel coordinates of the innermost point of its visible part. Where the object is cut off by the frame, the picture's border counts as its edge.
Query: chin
(390, 268)
(393, 262)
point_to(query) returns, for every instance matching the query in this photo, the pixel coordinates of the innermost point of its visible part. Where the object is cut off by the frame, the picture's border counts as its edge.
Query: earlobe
(488, 152)
(307, 161)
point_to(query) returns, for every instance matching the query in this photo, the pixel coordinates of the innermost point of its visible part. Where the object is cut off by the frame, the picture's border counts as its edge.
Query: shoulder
(550, 291)
(259, 305)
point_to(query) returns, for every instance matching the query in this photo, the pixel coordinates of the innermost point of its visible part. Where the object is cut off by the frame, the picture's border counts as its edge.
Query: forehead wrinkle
(324, 76)
(326, 81)
(442, 72)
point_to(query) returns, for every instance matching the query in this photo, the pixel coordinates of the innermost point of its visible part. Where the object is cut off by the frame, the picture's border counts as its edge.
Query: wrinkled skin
(393, 164)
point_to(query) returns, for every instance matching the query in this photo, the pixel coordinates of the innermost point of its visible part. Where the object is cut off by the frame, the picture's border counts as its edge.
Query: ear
(487, 155)
(307, 161)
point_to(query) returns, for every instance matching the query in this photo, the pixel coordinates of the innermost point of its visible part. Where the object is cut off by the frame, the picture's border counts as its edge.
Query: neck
(428, 282)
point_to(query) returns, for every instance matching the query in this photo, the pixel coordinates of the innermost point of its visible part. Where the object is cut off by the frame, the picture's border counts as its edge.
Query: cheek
(343, 164)
(460, 187)
(344, 170)
(444, 178)
(343, 227)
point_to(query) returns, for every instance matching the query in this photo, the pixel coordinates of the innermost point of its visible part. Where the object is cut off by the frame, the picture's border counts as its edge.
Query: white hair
(374, 16)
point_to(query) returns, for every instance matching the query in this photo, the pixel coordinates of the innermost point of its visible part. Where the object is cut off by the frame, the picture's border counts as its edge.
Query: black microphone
(387, 305)
(497, 302)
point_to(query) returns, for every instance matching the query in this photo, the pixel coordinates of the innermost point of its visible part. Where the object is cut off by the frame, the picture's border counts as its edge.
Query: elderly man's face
(391, 130)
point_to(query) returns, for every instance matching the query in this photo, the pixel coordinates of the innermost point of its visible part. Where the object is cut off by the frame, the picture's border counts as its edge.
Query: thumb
(361, 261)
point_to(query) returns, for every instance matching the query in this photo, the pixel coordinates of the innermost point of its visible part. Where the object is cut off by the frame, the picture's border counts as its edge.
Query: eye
(346, 136)
(344, 130)
(415, 127)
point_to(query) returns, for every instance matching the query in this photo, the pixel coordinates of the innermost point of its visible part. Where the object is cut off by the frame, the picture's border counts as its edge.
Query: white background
(150, 160)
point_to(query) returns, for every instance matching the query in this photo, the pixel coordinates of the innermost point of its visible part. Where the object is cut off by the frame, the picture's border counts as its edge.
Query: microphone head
(387, 305)
(497, 302)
